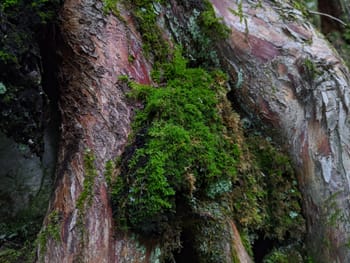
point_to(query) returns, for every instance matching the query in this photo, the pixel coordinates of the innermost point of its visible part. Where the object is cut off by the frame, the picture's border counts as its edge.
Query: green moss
(284, 255)
(277, 257)
(131, 58)
(86, 196)
(109, 169)
(110, 5)
(331, 210)
(183, 149)
(89, 179)
(268, 199)
(212, 26)
(153, 42)
(123, 78)
(183, 152)
(205, 30)
(146, 16)
(50, 230)
(247, 242)
(211, 238)
(242, 17)
(310, 69)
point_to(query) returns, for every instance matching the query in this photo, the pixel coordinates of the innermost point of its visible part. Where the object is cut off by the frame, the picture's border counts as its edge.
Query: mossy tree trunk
(291, 79)
(95, 124)
(283, 73)
(96, 52)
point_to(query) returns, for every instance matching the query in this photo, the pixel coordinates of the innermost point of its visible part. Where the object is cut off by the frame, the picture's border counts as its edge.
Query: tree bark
(296, 83)
(285, 74)
(95, 125)
(96, 118)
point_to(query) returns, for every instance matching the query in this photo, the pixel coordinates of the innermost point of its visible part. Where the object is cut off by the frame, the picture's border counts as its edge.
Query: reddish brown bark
(296, 83)
(96, 122)
(95, 118)
(292, 80)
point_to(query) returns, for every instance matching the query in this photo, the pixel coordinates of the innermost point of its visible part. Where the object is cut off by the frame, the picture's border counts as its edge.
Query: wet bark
(290, 78)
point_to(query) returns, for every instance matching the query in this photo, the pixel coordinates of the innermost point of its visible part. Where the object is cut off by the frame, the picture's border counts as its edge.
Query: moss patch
(187, 148)
(183, 148)
(86, 195)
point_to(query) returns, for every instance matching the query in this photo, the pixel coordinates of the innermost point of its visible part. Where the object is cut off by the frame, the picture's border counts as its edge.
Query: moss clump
(89, 179)
(50, 230)
(185, 148)
(203, 31)
(111, 5)
(146, 16)
(285, 255)
(282, 198)
(266, 198)
(109, 171)
(181, 150)
(310, 69)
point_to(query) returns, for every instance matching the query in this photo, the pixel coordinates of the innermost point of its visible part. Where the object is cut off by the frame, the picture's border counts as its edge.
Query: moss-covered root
(214, 236)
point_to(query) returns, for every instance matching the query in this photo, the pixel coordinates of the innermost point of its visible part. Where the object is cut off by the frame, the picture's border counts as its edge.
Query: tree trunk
(293, 81)
(96, 118)
(95, 125)
(286, 75)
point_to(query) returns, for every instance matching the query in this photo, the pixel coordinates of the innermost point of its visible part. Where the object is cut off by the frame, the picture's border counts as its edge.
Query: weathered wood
(295, 82)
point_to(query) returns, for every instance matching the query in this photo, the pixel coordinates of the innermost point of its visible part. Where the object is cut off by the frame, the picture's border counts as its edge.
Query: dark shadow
(188, 252)
(261, 247)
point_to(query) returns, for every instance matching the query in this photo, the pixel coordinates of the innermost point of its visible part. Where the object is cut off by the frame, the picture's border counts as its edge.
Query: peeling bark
(293, 81)
(95, 118)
